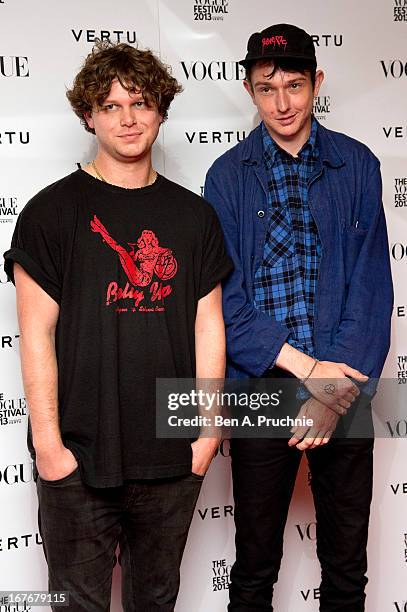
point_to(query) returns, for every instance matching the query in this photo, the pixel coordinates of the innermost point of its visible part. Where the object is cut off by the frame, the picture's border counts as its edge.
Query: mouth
(131, 135)
(287, 120)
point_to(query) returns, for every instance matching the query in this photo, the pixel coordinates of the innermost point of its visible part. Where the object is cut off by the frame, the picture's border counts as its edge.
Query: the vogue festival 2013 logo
(210, 10)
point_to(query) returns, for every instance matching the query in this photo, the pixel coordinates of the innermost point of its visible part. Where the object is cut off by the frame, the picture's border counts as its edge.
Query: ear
(89, 120)
(248, 87)
(319, 77)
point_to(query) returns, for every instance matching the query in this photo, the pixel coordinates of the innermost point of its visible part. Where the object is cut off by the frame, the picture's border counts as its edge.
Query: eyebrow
(136, 97)
(287, 81)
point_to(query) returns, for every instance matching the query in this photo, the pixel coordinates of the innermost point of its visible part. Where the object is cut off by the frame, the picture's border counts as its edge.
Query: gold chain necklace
(102, 178)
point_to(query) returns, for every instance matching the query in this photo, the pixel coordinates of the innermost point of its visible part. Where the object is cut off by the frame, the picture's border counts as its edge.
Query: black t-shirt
(127, 268)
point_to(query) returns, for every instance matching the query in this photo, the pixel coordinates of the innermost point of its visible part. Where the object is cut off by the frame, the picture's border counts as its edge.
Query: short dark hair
(135, 69)
(286, 65)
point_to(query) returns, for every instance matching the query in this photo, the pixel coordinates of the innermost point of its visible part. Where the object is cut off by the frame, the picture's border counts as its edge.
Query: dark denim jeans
(264, 473)
(81, 527)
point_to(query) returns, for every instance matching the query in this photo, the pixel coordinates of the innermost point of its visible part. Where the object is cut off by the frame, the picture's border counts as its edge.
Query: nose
(128, 116)
(283, 100)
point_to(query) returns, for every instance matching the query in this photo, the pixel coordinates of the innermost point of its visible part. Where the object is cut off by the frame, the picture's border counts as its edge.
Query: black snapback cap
(279, 41)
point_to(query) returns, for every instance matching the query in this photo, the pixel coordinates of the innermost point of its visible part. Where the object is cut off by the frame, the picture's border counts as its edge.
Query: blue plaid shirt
(285, 282)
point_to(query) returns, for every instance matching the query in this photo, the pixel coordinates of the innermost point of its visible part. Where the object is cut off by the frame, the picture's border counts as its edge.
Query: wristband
(304, 380)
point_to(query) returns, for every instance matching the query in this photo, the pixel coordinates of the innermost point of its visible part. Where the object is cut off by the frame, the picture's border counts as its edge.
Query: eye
(295, 85)
(139, 104)
(109, 107)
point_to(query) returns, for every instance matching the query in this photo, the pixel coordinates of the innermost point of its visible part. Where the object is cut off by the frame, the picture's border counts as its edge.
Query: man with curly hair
(107, 323)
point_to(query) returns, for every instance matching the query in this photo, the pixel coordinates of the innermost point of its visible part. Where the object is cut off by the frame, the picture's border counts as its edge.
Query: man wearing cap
(310, 298)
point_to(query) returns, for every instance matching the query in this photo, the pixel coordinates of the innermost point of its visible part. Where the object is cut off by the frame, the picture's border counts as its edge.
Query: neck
(130, 175)
(293, 145)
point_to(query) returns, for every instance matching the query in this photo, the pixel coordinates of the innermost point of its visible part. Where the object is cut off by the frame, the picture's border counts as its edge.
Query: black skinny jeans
(81, 527)
(264, 472)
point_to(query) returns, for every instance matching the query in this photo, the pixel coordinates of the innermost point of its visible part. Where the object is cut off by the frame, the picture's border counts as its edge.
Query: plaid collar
(271, 148)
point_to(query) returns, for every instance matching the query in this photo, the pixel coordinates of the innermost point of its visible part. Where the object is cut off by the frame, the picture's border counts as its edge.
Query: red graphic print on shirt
(141, 265)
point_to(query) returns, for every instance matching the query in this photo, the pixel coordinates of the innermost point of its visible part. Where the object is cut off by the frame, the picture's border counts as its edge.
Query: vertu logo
(327, 40)
(23, 541)
(216, 512)
(14, 138)
(398, 131)
(310, 594)
(228, 136)
(115, 36)
(399, 487)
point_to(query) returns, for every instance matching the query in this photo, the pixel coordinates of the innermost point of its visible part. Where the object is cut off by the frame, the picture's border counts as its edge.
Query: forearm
(210, 349)
(295, 362)
(40, 379)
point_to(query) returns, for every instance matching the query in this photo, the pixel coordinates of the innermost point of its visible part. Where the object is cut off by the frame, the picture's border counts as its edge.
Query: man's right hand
(330, 384)
(55, 465)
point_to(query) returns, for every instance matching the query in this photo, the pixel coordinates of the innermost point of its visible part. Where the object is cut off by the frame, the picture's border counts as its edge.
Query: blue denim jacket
(354, 297)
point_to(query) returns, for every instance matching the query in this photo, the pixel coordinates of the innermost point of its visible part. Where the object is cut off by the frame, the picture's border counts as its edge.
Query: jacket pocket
(354, 239)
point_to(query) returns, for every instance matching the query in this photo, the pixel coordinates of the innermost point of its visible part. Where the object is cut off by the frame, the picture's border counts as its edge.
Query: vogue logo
(224, 448)
(115, 36)
(215, 137)
(13, 138)
(394, 68)
(400, 192)
(13, 474)
(398, 251)
(8, 210)
(308, 531)
(400, 10)
(210, 10)
(401, 359)
(215, 71)
(12, 410)
(14, 66)
(397, 429)
(400, 606)
(327, 40)
(220, 575)
(322, 107)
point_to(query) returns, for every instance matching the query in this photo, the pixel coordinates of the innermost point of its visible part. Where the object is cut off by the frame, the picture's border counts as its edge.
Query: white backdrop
(362, 47)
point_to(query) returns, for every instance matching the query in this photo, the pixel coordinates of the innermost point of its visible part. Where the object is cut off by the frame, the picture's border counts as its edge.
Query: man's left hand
(203, 451)
(324, 420)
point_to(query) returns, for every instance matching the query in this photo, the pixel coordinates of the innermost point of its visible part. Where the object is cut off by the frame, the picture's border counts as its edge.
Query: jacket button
(260, 213)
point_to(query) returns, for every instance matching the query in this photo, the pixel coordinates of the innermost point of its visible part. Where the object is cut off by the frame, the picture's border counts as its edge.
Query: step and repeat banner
(362, 48)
